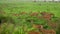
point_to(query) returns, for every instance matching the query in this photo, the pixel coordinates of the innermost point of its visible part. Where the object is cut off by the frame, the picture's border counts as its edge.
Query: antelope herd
(41, 29)
(44, 15)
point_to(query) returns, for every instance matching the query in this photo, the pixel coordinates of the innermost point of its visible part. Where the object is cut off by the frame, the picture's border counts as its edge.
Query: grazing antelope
(47, 15)
(44, 31)
(33, 32)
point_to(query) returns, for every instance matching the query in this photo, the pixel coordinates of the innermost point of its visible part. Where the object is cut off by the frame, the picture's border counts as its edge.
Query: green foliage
(16, 22)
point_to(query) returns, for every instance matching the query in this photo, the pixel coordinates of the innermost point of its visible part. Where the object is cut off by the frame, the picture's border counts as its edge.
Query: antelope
(46, 15)
(44, 31)
(33, 32)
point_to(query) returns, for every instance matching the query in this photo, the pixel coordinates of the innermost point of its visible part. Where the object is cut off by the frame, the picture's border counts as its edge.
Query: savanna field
(30, 18)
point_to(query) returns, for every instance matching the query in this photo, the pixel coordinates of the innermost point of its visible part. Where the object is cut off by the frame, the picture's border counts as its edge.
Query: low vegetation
(30, 18)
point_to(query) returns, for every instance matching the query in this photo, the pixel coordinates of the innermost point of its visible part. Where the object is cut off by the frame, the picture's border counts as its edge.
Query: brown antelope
(33, 32)
(47, 15)
(44, 31)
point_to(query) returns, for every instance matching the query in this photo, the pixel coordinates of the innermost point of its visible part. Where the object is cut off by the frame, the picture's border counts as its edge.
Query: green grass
(17, 27)
(31, 6)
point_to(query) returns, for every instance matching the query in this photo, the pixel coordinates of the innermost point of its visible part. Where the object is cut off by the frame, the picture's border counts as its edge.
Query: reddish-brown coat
(47, 15)
(33, 32)
(44, 31)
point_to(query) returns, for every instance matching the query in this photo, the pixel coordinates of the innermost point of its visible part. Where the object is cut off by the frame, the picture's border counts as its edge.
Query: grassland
(31, 6)
(16, 26)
